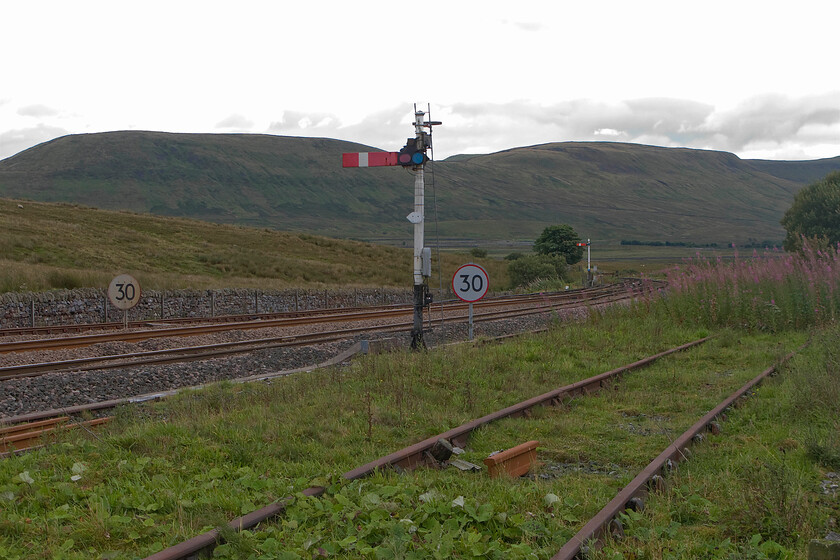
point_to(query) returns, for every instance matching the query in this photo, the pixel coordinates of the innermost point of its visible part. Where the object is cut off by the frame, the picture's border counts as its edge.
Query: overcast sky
(755, 78)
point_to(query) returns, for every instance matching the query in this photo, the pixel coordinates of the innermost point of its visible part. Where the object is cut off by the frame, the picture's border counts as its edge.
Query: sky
(758, 79)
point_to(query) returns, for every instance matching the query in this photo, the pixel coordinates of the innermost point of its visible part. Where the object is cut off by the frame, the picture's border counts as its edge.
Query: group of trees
(554, 250)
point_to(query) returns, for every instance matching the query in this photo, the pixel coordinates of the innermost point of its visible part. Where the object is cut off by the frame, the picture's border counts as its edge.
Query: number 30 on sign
(470, 283)
(124, 292)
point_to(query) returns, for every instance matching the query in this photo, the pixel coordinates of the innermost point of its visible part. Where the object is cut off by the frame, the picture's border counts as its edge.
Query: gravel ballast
(61, 390)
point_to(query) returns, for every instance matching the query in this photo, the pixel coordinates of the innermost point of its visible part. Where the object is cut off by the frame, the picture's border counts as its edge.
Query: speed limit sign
(470, 283)
(124, 292)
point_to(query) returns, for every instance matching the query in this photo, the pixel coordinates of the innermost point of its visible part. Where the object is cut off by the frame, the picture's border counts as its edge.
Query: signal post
(589, 278)
(413, 156)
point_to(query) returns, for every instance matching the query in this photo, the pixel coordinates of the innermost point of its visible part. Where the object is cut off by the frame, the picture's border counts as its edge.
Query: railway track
(416, 455)
(650, 479)
(145, 330)
(454, 312)
(28, 435)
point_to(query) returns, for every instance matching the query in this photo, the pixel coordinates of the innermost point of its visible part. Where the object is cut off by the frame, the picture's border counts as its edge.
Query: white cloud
(236, 123)
(498, 76)
(17, 140)
(37, 111)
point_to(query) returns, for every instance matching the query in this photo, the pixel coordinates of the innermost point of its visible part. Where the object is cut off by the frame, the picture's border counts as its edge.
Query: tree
(561, 241)
(815, 214)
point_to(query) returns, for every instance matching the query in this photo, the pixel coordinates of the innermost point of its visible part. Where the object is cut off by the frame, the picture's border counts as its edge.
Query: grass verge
(168, 471)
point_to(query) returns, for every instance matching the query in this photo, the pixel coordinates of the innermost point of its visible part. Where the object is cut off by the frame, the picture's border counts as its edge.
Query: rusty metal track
(594, 531)
(340, 315)
(21, 437)
(412, 455)
(250, 317)
(194, 353)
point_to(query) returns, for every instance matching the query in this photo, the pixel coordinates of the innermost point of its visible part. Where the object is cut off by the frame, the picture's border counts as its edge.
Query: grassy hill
(805, 172)
(607, 191)
(58, 245)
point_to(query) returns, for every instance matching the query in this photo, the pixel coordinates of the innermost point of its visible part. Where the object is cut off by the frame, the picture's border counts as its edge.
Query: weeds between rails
(315, 424)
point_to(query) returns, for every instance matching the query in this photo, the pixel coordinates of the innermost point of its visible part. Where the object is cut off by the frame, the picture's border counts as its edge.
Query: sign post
(470, 283)
(588, 261)
(413, 156)
(124, 293)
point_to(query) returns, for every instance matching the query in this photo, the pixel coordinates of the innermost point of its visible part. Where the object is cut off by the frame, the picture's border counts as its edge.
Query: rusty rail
(413, 455)
(354, 314)
(21, 437)
(593, 532)
(194, 353)
(250, 317)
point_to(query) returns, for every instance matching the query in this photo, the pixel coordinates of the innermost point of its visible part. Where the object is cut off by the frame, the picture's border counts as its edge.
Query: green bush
(532, 268)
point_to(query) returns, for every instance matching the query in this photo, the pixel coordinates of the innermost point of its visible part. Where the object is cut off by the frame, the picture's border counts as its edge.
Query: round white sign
(470, 282)
(124, 292)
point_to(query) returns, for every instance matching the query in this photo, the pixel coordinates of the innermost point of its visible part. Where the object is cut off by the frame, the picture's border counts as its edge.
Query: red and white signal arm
(369, 159)
(582, 244)
(470, 283)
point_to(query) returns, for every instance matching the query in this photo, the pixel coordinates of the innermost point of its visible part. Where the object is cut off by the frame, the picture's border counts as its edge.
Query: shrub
(532, 268)
(771, 292)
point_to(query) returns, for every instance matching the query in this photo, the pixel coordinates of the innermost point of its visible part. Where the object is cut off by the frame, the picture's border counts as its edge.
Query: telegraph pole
(412, 155)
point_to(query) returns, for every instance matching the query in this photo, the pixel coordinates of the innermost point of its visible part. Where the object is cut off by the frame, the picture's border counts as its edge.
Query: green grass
(51, 246)
(164, 472)
(754, 490)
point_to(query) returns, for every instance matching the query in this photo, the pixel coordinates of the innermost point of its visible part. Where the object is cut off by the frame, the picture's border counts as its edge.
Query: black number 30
(125, 291)
(476, 284)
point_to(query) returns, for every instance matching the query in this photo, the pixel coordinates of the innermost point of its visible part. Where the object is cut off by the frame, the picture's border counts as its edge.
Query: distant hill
(608, 191)
(804, 172)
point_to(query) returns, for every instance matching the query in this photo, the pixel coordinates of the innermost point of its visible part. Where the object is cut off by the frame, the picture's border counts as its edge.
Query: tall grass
(772, 291)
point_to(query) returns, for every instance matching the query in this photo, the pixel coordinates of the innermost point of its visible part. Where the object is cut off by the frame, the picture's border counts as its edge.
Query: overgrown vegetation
(547, 268)
(772, 291)
(761, 489)
(170, 470)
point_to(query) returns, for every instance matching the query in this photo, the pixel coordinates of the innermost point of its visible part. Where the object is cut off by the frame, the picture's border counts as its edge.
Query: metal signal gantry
(412, 156)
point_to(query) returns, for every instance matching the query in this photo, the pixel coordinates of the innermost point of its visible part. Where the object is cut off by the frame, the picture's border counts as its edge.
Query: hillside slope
(804, 172)
(608, 191)
(48, 245)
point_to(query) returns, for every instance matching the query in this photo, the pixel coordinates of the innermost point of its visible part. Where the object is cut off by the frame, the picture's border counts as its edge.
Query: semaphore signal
(369, 159)
(412, 156)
